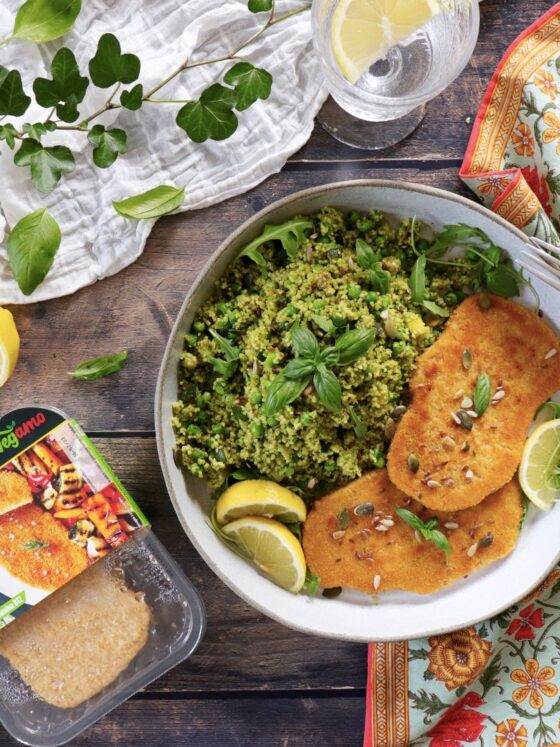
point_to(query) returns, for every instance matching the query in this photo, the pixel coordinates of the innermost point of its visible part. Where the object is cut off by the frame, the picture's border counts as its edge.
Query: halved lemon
(363, 31)
(9, 345)
(539, 473)
(260, 498)
(272, 547)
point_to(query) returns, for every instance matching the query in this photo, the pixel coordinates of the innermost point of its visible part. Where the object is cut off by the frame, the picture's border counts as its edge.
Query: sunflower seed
(350, 263)
(450, 482)
(551, 353)
(376, 582)
(471, 552)
(449, 442)
(467, 359)
(498, 396)
(472, 413)
(309, 254)
(433, 484)
(339, 534)
(469, 474)
(381, 528)
(387, 523)
(456, 418)
(364, 509)
(459, 394)
(311, 483)
(451, 525)
(467, 403)
(413, 462)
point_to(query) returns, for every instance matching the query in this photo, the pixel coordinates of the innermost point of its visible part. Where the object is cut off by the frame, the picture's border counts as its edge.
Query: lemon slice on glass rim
(260, 498)
(363, 31)
(272, 547)
(9, 345)
(539, 472)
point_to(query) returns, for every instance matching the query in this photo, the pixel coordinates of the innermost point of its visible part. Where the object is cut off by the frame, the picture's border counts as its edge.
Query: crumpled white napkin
(98, 242)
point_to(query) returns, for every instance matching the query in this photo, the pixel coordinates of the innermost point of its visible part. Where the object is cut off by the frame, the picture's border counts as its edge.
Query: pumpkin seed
(343, 519)
(364, 509)
(486, 541)
(398, 412)
(390, 428)
(465, 420)
(465, 447)
(332, 593)
(551, 353)
(413, 462)
(467, 359)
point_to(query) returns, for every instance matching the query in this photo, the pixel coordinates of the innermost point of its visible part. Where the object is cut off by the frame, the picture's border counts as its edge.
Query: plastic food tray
(177, 626)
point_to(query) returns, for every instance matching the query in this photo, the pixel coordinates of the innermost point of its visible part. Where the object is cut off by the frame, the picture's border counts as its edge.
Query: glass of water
(387, 101)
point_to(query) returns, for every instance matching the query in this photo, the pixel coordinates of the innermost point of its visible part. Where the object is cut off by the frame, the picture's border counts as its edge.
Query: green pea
(257, 430)
(222, 307)
(191, 340)
(256, 398)
(272, 421)
(306, 418)
(451, 299)
(353, 217)
(199, 455)
(353, 292)
(200, 402)
(329, 466)
(193, 430)
(270, 360)
(319, 304)
(291, 309)
(372, 297)
(203, 417)
(218, 429)
(206, 396)
(199, 326)
(219, 387)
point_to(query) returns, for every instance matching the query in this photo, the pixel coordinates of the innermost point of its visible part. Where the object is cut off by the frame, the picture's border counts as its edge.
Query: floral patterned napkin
(496, 683)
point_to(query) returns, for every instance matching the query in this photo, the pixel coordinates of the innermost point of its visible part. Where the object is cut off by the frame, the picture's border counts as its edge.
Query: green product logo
(8, 440)
(12, 605)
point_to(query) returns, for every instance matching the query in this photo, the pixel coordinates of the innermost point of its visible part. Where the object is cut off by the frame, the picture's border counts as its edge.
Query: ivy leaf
(482, 393)
(8, 133)
(282, 392)
(97, 368)
(258, 6)
(47, 164)
(13, 99)
(151, 204)
(109, 66)
(211, 116)
(291, 234)
(328, 388)
(108, 145)
(66, 89)
(44, 20)
(250, 83)
(35, 131)
(32, 245)
(133, 99)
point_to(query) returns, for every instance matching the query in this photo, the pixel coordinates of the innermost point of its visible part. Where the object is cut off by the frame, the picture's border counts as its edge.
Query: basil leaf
(97, 368)
(151, 204)
(282, 392)
(482, 393)
(312, 581)
(502, 282)
(257, 6)
(66, 89)
(304, 342)
(44, 20)
(321, 321)
(109, 66)
(417, 282)
(108, 145)
(328, 389)
(210, 116)
(291, 234)
(13, 100)
(243, 474)
(230, 351)
(47, 164)
(427, 531)
(249, 82)
(366, 257)
(32, 245)
(358, 425)
(8, 133)
(134, 98)
(353, 344)
(379, 280)
(433, 308)
(298, 369)
(329, 356)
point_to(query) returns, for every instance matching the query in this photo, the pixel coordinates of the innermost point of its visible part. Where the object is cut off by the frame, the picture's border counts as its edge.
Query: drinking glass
(388, 101)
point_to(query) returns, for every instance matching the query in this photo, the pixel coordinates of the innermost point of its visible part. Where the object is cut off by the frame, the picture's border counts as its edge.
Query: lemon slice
(539, 473)
(9, 345)
(272, 547)
(363, 31)
(260, 498)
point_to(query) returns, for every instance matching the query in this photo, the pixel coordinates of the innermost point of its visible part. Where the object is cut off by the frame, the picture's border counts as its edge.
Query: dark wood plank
(233, 722)
(135, 310)
(448, 123)
(242, 650)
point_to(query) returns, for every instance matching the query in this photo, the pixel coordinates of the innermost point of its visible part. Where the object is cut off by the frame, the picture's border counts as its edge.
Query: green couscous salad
(297, 367)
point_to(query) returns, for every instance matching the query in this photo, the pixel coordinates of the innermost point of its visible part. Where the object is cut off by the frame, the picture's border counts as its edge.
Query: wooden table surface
(251, 682)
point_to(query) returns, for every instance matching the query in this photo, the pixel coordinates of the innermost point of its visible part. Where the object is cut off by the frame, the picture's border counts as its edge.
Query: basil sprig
(370, 261)
(427, 530)
(313, 365)
(482, 393)
(417, 283)
(226, 366)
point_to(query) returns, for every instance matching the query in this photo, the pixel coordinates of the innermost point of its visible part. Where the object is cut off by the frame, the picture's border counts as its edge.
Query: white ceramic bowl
(353, 616)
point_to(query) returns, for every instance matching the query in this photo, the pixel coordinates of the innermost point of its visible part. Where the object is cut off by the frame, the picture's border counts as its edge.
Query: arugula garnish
(427, 530)
(482, 393)
(227, 367)
(313, 366)
(291, 234)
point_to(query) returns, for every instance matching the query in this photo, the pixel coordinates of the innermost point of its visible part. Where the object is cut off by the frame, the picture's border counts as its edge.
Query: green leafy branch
(427, 530)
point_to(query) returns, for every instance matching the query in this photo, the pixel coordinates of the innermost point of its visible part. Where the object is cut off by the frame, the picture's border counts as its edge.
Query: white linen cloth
(96, 241)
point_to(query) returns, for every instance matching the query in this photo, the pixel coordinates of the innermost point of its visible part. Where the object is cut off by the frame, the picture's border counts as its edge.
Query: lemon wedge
(539, 473)
(9, 345)
(363, 31)
(272, 547)
(260, 498)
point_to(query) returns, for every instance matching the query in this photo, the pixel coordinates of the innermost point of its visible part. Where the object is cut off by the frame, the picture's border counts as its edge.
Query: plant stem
(5, 41)
(167, 101)
(48, 119)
